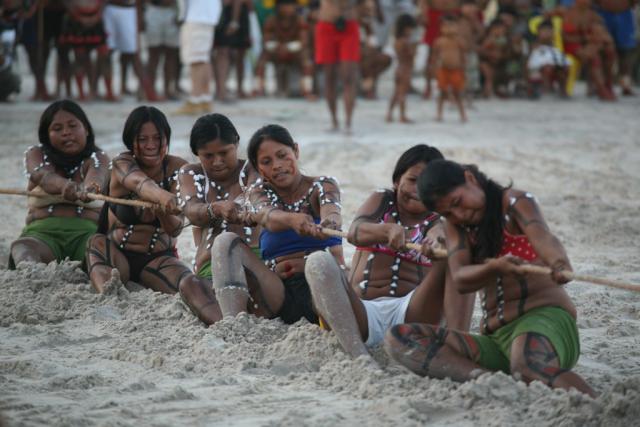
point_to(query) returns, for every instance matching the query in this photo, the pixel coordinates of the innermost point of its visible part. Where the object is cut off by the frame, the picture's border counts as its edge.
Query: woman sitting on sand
(388, 284)
(529, 322)
(211, 193)
(292, 209)
(140, 243)
(67, 165)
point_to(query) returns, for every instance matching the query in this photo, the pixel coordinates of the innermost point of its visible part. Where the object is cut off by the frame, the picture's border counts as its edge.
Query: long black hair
(210, 128)
(272, 132)
(420, 153)
(442, 177)
(138, 117)
(64, 161)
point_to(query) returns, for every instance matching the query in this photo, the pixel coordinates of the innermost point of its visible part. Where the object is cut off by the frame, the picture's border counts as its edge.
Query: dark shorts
(621, 26)
(241, 38)
(76, 35)
(297, 301)
(138, 261)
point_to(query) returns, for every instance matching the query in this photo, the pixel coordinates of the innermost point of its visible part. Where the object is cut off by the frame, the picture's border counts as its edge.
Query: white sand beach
(69, 356)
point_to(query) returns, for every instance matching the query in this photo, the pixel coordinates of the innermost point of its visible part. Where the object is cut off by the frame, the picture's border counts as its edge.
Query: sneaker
(189, 108)
(205, 107)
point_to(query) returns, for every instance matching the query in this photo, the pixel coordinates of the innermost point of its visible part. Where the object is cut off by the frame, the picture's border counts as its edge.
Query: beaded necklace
(395, 267)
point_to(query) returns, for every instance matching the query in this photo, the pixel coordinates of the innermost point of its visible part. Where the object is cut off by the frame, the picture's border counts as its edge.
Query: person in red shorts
(337, 49)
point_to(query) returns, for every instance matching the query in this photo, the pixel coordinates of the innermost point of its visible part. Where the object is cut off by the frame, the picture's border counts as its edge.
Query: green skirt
(66, 236)
(554, 323)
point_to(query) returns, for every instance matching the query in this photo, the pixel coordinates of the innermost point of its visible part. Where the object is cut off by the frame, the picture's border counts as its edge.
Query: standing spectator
(122, 22)
(9, 81)
(374, 60)
(618, 17)
(161, 27)
(83, 32)
(56, 12)
(337, 49)
(196, 41)
(26, 18)
(471, 28)
(231, 43)
(405, 48)
(387, 12)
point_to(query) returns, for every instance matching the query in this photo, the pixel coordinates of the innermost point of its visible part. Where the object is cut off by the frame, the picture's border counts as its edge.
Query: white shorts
(196, 41)
(542, 56)
(121, 27)
(161, 28)
(383, 313)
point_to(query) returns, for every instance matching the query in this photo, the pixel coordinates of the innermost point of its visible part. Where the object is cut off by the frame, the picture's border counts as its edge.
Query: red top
(517, 245)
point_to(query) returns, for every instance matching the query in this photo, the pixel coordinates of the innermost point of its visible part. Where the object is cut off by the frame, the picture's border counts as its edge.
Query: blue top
(279, 243)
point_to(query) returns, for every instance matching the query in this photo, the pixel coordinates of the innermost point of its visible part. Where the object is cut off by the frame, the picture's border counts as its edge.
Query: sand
(71, 357)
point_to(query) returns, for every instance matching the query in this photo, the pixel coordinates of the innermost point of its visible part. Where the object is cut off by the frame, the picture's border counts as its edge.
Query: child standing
(405, 47)
(449, 53)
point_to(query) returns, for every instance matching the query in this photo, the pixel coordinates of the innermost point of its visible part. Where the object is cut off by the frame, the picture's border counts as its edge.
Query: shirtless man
(337, 49)
(585, 37)
(618, 17)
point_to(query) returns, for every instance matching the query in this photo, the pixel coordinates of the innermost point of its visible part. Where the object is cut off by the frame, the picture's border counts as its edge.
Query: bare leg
(436, 352)
(236, 269)
(487, 72)
(63, 72)
(341, 309)
(330, 90)
(81, 61)
(239, 55)
(441, 98)
(125, 60)
(152, 64)
(198, 294)
(625, 61)
(31, 249)
(349, 77)
(222, 72)
(428, 75)
(402, 101)
(104, 66)
(170, 72)
(457, 98)
(534, 358)
(102, 257)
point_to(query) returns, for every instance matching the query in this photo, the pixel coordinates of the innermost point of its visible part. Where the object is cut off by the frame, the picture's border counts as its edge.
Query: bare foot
(389, 118)
(439, 119)
(406, 120)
